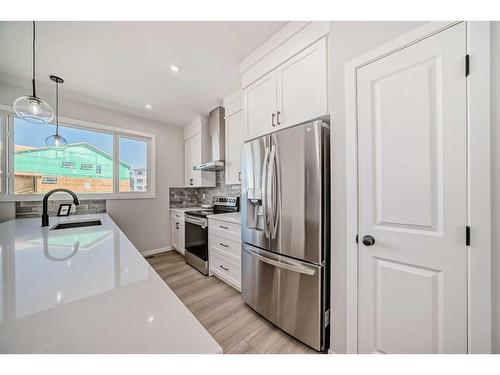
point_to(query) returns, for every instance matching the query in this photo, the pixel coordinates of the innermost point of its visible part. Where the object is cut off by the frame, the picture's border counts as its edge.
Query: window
(98, 160)
(67, 164)
(134, 155)
(49, 180)
(2, 135)
(33, 161)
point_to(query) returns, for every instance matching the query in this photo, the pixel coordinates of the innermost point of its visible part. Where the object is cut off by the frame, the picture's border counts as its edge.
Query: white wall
(495, 180)
(348, 40)
(146, 222)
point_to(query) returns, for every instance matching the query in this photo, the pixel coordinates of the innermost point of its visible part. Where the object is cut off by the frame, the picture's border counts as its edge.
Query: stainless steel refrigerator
(285, 230)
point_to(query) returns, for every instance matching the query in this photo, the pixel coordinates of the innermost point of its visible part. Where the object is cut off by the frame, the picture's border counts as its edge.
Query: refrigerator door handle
(265, 193)
(287, 266)
(269, 190)
(275, 179)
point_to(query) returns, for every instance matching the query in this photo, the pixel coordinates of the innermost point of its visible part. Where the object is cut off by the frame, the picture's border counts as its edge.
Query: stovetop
(221, 205)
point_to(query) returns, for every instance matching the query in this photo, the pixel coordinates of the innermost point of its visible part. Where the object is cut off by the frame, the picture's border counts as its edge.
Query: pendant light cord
(34, 51)
(57, 107)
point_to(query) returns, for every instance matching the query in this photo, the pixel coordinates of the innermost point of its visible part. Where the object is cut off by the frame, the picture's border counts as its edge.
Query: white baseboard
(148, 253)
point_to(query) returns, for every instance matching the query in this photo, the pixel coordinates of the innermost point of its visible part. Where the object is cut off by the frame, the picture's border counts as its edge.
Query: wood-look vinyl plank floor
(220, 309)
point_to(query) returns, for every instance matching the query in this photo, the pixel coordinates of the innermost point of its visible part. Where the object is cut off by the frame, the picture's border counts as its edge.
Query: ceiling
(126, 65)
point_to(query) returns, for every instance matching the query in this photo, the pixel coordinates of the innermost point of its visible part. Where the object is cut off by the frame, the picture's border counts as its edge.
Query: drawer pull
(177, 216)
(223, 227)
(223, 244)
(224, 268)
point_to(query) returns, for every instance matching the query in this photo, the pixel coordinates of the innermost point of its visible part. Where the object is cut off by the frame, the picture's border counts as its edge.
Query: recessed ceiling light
(174, 68)
(148, 106)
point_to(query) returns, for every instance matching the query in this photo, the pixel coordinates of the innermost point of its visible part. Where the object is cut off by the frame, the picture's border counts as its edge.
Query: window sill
(81, 196)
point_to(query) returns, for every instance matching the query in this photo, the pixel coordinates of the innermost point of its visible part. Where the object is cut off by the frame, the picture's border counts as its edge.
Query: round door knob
(368, 240)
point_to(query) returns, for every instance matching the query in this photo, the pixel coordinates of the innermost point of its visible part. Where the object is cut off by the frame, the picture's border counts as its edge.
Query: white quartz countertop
(87, 290)
(232, 217)
(186, 209)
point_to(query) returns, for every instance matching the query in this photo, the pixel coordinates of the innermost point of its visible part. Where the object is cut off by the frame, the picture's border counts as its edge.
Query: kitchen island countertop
(87, 290)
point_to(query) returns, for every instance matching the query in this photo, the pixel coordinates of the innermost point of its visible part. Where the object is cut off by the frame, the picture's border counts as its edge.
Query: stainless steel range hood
(217, 142)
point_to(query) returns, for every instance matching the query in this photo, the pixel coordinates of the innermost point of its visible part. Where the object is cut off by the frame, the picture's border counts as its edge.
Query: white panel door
(259, 105)
(234, 143)
(302, 86)
(412, 199)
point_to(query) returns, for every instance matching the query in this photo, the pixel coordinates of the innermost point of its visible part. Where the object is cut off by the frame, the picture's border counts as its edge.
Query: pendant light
(30, 107)
(56, 142)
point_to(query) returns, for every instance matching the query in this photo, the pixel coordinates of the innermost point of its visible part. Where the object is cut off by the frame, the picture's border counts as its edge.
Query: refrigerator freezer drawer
(285, 291)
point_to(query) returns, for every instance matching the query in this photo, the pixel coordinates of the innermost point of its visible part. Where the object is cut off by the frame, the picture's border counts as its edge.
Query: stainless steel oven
(196, 231)
(196, 241)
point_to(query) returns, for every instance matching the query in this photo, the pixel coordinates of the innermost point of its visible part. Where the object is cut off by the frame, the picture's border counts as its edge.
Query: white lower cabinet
(224, 249)
(177, 225)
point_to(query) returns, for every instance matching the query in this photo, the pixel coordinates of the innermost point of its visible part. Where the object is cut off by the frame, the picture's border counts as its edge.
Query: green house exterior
(78, 160)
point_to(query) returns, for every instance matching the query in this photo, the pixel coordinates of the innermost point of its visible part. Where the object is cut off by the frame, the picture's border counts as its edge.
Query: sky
(133, 152)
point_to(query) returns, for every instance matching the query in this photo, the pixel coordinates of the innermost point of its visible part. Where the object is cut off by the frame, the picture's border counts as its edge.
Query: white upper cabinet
(286, 80)
(235, 131)
(196, 152)
(260, 102)
(302, 86)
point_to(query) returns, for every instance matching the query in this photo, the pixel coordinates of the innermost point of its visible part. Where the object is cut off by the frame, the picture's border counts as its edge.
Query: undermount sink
(77, 224)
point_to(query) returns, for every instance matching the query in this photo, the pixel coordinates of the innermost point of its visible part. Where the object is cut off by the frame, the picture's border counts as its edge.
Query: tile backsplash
(29, 209)
(192, 197)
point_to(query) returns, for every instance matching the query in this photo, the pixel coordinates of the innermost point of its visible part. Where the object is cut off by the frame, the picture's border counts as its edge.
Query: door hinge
(467, 235)
(467, 65)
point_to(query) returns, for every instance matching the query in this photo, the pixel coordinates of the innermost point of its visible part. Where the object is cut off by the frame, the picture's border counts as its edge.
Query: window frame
(7, 137)
(3, 154)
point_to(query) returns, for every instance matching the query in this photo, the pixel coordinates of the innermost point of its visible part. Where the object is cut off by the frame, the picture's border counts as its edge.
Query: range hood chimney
(216, 124)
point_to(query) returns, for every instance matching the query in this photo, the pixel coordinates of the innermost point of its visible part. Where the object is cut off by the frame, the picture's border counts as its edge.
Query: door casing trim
(479, 323)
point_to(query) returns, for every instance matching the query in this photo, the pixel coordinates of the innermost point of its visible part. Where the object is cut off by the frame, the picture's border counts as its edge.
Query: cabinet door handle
(273, 116)
(223, 227)
(239, 176)
(176, 225)
(224, 268)
(190, 181)
(278, 113)
(223, 244)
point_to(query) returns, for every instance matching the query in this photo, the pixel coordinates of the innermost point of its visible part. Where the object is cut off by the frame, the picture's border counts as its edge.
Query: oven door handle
(199, 222)
(287, 266)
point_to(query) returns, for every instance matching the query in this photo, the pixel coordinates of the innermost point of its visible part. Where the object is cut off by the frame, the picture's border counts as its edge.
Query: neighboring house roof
(82, 160)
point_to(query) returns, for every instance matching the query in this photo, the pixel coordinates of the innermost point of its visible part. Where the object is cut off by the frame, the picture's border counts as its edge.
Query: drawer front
(176, 215)
(225, 268)
(230, 247)
(225, 230)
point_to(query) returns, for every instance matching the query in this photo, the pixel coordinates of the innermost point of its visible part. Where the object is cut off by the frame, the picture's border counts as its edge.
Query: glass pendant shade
(30, 107)
(33, 109)
(56, 142)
